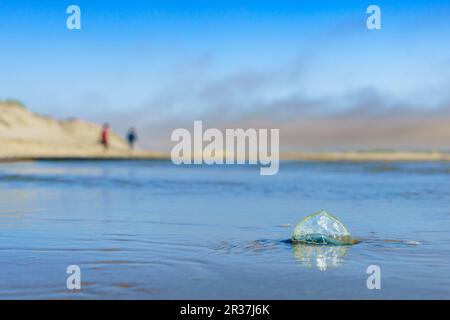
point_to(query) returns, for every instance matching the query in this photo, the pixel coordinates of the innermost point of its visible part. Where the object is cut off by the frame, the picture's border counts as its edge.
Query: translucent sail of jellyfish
(321, 228)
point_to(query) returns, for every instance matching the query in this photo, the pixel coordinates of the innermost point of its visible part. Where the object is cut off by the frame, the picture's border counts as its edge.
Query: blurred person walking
(104, 136)
(131, 137)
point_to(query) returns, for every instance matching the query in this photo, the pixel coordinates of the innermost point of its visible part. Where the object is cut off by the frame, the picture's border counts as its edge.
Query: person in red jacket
(104, 137)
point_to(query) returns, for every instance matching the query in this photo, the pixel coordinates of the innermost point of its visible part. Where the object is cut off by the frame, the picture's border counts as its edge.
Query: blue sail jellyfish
(321, 228)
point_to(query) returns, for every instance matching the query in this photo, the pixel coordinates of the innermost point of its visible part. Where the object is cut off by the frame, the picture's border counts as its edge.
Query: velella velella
(321, 228)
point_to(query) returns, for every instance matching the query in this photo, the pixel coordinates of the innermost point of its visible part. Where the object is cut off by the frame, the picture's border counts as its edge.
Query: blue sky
(152, 61)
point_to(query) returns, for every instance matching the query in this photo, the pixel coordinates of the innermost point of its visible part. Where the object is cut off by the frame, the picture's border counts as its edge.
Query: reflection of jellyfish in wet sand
(321, 257)
(320, 240)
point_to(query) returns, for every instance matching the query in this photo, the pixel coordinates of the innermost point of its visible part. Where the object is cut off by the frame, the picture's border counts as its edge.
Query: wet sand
(368, 156)
(95, 154)
(153, 230)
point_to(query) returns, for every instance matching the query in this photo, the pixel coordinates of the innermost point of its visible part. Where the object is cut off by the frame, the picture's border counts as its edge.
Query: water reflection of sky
(193, 232)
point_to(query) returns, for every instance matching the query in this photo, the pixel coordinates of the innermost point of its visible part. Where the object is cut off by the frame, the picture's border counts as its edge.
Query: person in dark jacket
(131, 137)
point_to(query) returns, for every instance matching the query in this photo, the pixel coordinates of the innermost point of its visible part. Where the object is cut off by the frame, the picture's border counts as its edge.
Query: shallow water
(152, 230)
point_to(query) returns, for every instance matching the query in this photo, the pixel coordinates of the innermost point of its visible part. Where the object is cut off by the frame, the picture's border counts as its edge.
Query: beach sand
(367, 156)
(25, 135)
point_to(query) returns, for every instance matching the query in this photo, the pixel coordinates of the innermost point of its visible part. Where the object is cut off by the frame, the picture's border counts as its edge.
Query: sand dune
(24, 134)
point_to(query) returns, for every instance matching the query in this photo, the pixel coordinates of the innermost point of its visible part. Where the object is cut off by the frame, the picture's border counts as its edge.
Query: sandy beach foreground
(158, 231)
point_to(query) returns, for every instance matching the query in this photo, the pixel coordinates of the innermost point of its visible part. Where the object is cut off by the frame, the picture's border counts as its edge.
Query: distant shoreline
(368, 156)
(346, 156)
(146, 156)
